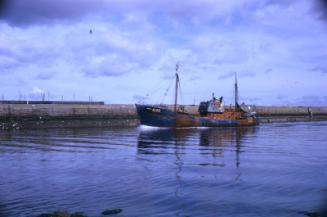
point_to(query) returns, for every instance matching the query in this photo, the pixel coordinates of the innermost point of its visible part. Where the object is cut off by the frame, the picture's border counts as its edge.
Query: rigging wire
(159, 86)
(167, 90)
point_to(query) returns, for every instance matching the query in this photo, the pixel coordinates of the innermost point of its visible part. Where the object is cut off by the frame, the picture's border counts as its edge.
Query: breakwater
(270, 114)
(97, 114)
(70, 115)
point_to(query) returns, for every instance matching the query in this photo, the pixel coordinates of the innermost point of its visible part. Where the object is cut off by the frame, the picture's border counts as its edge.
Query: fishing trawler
(211, 113)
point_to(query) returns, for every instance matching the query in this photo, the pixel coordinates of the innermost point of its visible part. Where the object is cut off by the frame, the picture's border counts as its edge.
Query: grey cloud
(226, 75)
(7, 58)
(246, 74)
(279, 2)
(44, 76)
(281, 97)
(21, 54)
(140, 98)
(268, 71)
(242, 74)
(112, 68)
(3, 6)
(312, 101)
(20, 12)
(6, 63)
(251, 99)
(35, 96)
(26, 12)
(108, 52)
(112, 53)
(195, 78)
(168, 76)
(16, 81)
(322, 70)
(113, 61)
(321, 8)
(233, 56)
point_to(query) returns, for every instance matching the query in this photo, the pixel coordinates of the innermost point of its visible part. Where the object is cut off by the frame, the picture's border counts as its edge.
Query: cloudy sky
(123, 51)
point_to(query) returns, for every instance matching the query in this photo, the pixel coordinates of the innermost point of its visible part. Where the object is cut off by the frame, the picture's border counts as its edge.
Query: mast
(236, 91)
(176, 88)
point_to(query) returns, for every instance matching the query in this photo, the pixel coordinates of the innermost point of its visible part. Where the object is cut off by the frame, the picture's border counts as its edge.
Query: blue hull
(156, 116)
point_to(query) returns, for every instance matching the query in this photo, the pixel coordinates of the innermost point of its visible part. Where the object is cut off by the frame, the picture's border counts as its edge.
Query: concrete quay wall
(123, 115)
(66, 111)
(66, 115)
(290, 114)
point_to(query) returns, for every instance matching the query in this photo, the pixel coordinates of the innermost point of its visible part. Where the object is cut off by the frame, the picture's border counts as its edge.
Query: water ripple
(270, 170)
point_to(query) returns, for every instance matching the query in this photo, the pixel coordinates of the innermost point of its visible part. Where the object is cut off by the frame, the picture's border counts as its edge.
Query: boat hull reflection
(212, 141)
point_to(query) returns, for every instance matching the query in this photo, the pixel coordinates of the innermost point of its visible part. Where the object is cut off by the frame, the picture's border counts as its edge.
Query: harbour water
(267, 170)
